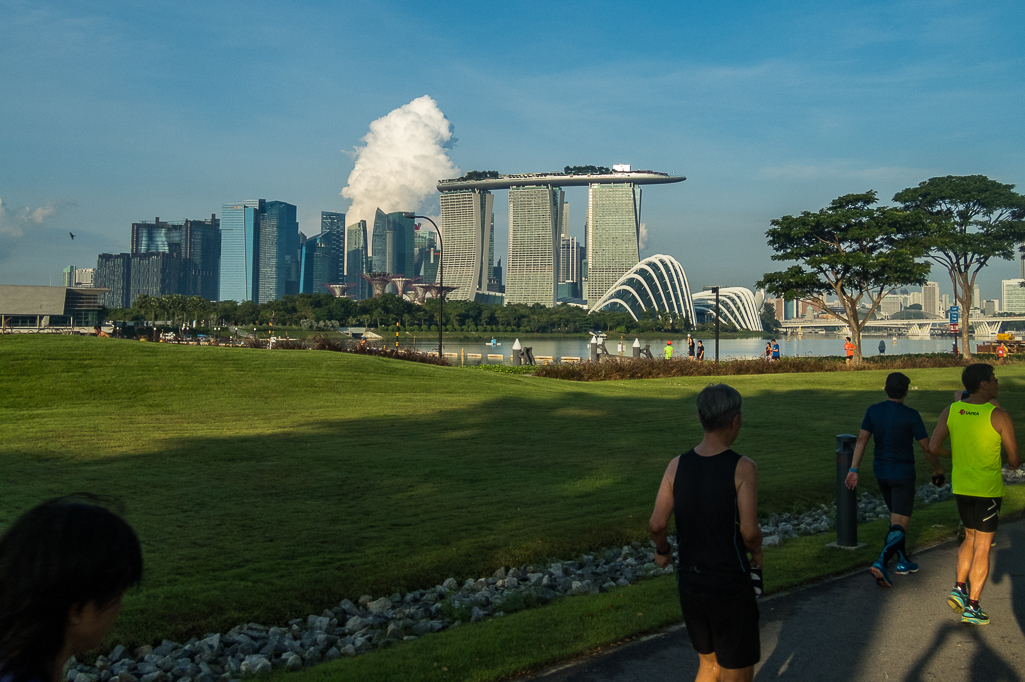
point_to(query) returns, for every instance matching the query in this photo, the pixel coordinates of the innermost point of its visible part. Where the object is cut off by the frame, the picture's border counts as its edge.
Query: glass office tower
(356, 259)
(278, 252)
(394, 243)
(240, 246)
(532, 267)
(332, 234)
(466, 217)
(613, 222)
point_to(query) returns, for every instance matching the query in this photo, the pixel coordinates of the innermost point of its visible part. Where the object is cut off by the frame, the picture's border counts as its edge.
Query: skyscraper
(332, 233)
(356, 259)
(196, 242)
(931, 298)
(278, 252)
(157, 273)
(1012, 295)
(613, 220)
(201, 251)
(532, 266)
(466, 216)
(113, 272)
(68, 276)
(240, 245)
(394, 243)
(571, 257)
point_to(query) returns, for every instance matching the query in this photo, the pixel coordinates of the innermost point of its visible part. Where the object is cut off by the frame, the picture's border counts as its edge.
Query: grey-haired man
(708, 489)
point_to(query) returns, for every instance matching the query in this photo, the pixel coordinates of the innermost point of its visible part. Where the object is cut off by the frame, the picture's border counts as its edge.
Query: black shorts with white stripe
(979, 513)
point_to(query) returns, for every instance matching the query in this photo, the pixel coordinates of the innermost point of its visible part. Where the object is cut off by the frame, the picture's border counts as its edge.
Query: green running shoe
(957, 600)
(881, 575)
(974, 615)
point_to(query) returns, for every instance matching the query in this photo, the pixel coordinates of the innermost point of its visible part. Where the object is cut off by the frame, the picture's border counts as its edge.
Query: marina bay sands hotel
(536, 205)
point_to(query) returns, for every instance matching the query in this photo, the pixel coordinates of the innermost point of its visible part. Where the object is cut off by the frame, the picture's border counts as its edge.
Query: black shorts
(898, 495)
(979, 513)
(726, 626)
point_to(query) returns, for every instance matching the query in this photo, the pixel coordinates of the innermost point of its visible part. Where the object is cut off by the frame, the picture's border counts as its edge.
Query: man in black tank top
(713, 494)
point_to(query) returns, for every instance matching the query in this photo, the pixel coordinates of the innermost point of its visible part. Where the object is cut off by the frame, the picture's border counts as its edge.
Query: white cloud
(14, 222)
(405, 154)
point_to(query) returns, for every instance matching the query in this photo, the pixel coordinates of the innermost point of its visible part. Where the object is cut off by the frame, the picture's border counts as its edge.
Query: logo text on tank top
(963, 411)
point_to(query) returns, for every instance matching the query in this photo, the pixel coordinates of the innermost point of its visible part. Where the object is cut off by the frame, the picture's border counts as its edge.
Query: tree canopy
(970, 220)
(856, 250)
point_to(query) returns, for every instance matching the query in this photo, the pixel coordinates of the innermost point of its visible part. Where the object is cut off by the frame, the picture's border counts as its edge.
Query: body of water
(802, 344)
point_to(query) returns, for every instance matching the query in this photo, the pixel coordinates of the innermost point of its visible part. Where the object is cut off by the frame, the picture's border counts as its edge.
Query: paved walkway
(850, 629)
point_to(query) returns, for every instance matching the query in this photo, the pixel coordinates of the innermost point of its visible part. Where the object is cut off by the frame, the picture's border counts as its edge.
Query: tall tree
(857, 251)
(971, 219)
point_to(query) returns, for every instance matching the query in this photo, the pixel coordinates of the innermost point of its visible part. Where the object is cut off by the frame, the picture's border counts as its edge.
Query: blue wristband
(853, 470)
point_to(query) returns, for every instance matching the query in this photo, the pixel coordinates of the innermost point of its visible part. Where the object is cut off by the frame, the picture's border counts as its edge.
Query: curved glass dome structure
(738, 305)
(656, 283)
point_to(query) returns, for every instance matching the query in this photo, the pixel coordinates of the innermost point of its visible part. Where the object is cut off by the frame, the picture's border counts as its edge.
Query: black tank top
(713, 559)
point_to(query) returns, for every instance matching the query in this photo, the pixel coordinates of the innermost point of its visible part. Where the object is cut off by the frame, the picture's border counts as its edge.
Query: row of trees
(861, 252)
(317, 310)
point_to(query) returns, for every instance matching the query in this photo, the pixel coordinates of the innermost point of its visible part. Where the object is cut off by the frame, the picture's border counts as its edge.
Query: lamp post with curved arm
(441, 280)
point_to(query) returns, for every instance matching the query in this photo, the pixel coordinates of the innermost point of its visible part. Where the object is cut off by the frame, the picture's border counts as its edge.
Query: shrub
(657, 369)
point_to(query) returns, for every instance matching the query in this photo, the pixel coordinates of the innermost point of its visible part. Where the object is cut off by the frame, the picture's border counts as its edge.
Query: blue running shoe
(905, 566)
(881, 575)
(974, 615)
(957, 600)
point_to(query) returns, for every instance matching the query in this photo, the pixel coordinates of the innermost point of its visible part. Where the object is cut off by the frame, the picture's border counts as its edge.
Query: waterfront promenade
(849, 629)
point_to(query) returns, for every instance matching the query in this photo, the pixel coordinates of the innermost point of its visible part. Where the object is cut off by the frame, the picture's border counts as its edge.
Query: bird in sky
(72, 236)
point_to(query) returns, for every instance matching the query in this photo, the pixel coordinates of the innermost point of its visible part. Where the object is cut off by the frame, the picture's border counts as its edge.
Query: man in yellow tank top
(977, 428)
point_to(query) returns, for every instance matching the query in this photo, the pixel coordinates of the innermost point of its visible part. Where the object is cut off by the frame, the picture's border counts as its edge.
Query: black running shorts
(979, 513)
(726, 626)
(898, 495)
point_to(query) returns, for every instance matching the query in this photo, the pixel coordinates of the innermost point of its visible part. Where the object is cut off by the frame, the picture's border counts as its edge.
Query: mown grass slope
(266, 485)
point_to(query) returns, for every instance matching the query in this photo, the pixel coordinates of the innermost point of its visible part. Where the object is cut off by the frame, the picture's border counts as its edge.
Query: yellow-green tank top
(975, 446)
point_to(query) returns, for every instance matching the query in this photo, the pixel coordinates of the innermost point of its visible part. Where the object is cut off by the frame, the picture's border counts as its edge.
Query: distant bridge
(982, 326)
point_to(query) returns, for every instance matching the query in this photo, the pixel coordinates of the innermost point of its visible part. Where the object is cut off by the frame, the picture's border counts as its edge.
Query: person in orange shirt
(848, 348)
(1001, 352)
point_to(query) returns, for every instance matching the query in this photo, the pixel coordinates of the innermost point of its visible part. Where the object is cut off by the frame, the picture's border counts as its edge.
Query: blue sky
(113, 112)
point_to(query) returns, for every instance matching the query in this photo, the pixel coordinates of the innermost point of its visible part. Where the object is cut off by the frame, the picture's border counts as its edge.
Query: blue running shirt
(896, 428)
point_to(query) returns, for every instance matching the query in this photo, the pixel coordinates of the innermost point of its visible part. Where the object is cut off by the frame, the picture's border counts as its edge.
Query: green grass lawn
(266, 485)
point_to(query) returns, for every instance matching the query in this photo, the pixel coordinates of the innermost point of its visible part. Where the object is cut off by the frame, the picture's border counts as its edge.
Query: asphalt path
(850, 629)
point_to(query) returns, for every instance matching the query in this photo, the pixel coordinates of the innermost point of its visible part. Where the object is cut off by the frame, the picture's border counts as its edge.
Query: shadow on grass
(277, 526)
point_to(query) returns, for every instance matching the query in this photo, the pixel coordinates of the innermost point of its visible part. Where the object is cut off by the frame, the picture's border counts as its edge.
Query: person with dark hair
(977, 429)
(896, 427)
(775, 351)
(701, 352)
(848, 349)
(64, 567)
(713, 494)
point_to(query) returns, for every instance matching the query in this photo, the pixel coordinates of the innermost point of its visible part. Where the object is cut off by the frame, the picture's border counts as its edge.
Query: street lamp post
(441, 280)
(716, 290)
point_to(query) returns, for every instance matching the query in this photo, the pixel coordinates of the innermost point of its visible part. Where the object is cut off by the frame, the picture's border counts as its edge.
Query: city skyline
(116, 113)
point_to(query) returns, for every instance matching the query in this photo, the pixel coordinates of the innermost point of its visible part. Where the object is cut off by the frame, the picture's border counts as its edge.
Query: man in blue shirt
(775, 351)
(895, 427)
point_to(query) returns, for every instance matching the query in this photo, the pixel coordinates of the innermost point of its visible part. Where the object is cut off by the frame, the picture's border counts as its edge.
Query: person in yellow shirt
(977, 429)
(668, 350)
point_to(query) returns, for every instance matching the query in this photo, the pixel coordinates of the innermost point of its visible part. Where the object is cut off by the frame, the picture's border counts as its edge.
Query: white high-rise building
(976, 298)
(613, 220)
(1012, 296)
(532, 268)
(944, 304)
(931, 298)
(891, 303)
(466, 219)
